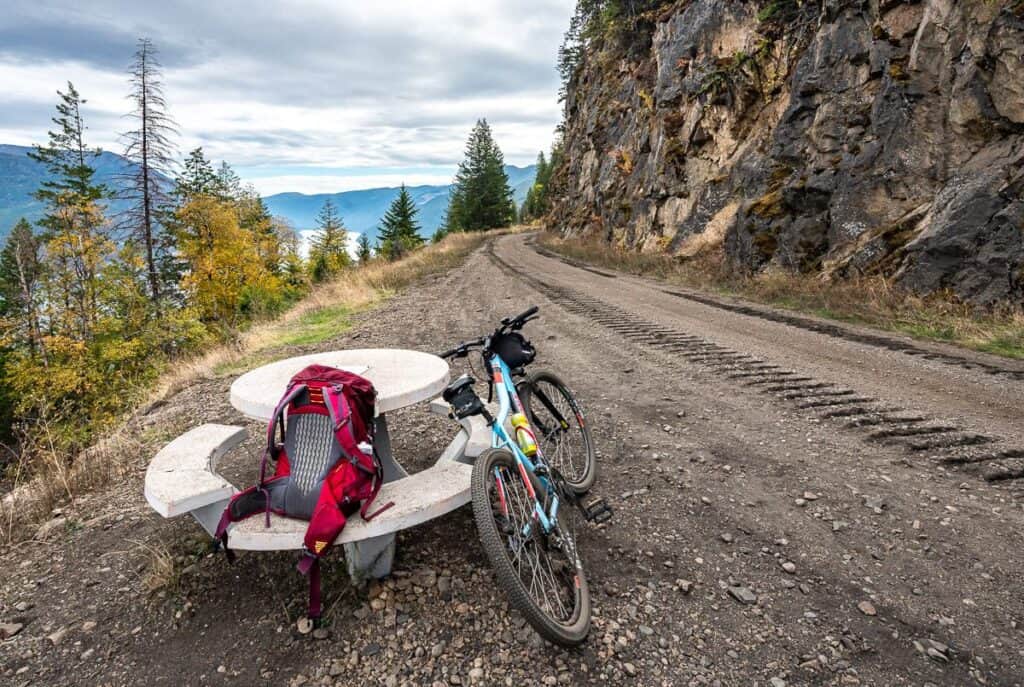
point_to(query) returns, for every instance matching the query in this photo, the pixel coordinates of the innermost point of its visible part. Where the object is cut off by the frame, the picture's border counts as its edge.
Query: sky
(312, 96)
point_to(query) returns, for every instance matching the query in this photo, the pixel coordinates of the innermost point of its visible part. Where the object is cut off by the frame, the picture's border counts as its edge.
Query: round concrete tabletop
(401, 378)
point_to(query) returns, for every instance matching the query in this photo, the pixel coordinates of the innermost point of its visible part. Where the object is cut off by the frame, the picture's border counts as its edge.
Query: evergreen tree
(67, 158)
(481, 197)
(197, 178)
(229, 185)
(363, 251)
(149, 147)
(538, 196)
(399, 231)
(328, 251)
(77, 237)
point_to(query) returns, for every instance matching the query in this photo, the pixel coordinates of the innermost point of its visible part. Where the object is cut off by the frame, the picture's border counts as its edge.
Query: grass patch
(869, 301)
(318, 326)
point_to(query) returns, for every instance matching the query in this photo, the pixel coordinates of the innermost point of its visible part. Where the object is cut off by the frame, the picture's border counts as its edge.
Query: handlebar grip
(448, 354)
(528, 313)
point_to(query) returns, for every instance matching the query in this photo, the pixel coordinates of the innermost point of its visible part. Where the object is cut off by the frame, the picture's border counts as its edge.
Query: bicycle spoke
(540, 566)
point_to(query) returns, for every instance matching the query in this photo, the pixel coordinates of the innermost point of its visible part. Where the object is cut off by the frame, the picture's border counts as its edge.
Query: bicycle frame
(508, 400)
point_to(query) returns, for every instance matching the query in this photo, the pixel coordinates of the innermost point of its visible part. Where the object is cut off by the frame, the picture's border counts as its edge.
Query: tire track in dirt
(876, 340)
(988, 456)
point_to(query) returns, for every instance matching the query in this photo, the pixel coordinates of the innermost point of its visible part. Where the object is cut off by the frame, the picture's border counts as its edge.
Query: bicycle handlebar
(520, 319)
(508, 323)
(462, 350)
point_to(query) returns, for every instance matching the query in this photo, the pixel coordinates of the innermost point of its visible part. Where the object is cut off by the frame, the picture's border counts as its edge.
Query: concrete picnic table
(182, 477)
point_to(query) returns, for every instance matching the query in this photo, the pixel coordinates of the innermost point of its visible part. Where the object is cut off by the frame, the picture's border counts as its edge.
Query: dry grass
(161, 573)
(872, 301)
(44, 477)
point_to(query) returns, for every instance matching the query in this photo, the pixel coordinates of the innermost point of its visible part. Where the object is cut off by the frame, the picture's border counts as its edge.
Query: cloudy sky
(311, 95)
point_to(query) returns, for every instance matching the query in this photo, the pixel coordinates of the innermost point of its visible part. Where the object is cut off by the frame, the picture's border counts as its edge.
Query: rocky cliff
(843, 138)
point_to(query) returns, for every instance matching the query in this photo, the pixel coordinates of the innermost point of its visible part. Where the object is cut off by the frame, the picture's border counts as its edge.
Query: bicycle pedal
(597, 511)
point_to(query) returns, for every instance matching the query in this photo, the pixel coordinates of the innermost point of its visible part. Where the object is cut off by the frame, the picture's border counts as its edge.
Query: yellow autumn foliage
(227, 276)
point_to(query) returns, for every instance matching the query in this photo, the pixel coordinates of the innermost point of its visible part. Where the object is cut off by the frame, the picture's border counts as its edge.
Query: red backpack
(322, 473)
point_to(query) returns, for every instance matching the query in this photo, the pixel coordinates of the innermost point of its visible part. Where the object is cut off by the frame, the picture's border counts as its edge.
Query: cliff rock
(845, 138)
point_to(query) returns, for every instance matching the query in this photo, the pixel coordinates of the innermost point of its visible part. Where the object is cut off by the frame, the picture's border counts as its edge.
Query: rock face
(870, 137)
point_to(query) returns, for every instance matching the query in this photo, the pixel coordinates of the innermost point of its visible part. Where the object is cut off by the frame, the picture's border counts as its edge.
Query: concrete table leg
(374, 557)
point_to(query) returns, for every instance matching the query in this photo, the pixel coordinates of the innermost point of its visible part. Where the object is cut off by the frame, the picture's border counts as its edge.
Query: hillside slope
(846, 138)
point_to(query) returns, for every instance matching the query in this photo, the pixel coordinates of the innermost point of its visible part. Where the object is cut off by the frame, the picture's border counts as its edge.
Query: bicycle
(518, 492)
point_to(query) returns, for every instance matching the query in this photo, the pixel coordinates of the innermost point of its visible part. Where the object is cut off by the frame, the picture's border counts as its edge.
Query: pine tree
(328, 251)
(77, 235)
(363, 251)
(481, 197)
(67, 158)
(538, 196)
(399, 231)
(149, 147)
(197, 178)
(229, 185)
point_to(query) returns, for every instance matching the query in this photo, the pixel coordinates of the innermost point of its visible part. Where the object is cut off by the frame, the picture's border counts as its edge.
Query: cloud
(321, 83)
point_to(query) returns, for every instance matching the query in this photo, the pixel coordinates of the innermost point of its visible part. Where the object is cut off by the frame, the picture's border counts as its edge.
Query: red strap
(314, 591)
(378, 480)
(337, 407)
(289, 395)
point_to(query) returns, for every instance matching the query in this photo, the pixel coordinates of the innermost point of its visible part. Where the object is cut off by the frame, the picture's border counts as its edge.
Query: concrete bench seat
(418, 498)
(183, 477)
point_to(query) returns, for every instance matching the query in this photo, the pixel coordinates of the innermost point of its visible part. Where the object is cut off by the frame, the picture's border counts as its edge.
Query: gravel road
(797, 503)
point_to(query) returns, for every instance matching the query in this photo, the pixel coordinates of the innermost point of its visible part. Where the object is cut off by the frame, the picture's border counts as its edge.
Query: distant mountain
(20, 176)
(363, 209)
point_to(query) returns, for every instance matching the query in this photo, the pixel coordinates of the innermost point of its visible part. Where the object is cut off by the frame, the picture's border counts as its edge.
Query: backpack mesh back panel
(312, 448)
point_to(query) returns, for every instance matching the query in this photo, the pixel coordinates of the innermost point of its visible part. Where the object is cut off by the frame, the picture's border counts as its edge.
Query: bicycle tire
(578, 481)
(571, 632)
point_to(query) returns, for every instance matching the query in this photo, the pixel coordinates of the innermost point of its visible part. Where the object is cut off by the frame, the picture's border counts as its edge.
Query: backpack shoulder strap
(290, 395)
(340, 412)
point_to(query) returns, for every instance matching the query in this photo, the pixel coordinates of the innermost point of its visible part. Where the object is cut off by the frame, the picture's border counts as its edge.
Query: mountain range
(361, 210)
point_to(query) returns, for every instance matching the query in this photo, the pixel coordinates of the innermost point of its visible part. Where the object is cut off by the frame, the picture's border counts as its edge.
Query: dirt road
(796, 503)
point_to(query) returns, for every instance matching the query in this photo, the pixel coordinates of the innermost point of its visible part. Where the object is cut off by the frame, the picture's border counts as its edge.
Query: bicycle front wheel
(541, 573)
(563, 435)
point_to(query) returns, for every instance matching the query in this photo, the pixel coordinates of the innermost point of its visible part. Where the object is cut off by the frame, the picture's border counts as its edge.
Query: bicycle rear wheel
(541, 573)
(563, 435)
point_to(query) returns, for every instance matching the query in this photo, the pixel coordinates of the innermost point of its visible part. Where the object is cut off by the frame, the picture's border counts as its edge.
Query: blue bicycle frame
(508, 399)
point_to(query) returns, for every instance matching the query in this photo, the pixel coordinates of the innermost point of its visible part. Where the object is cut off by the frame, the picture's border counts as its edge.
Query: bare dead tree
(149, 148)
